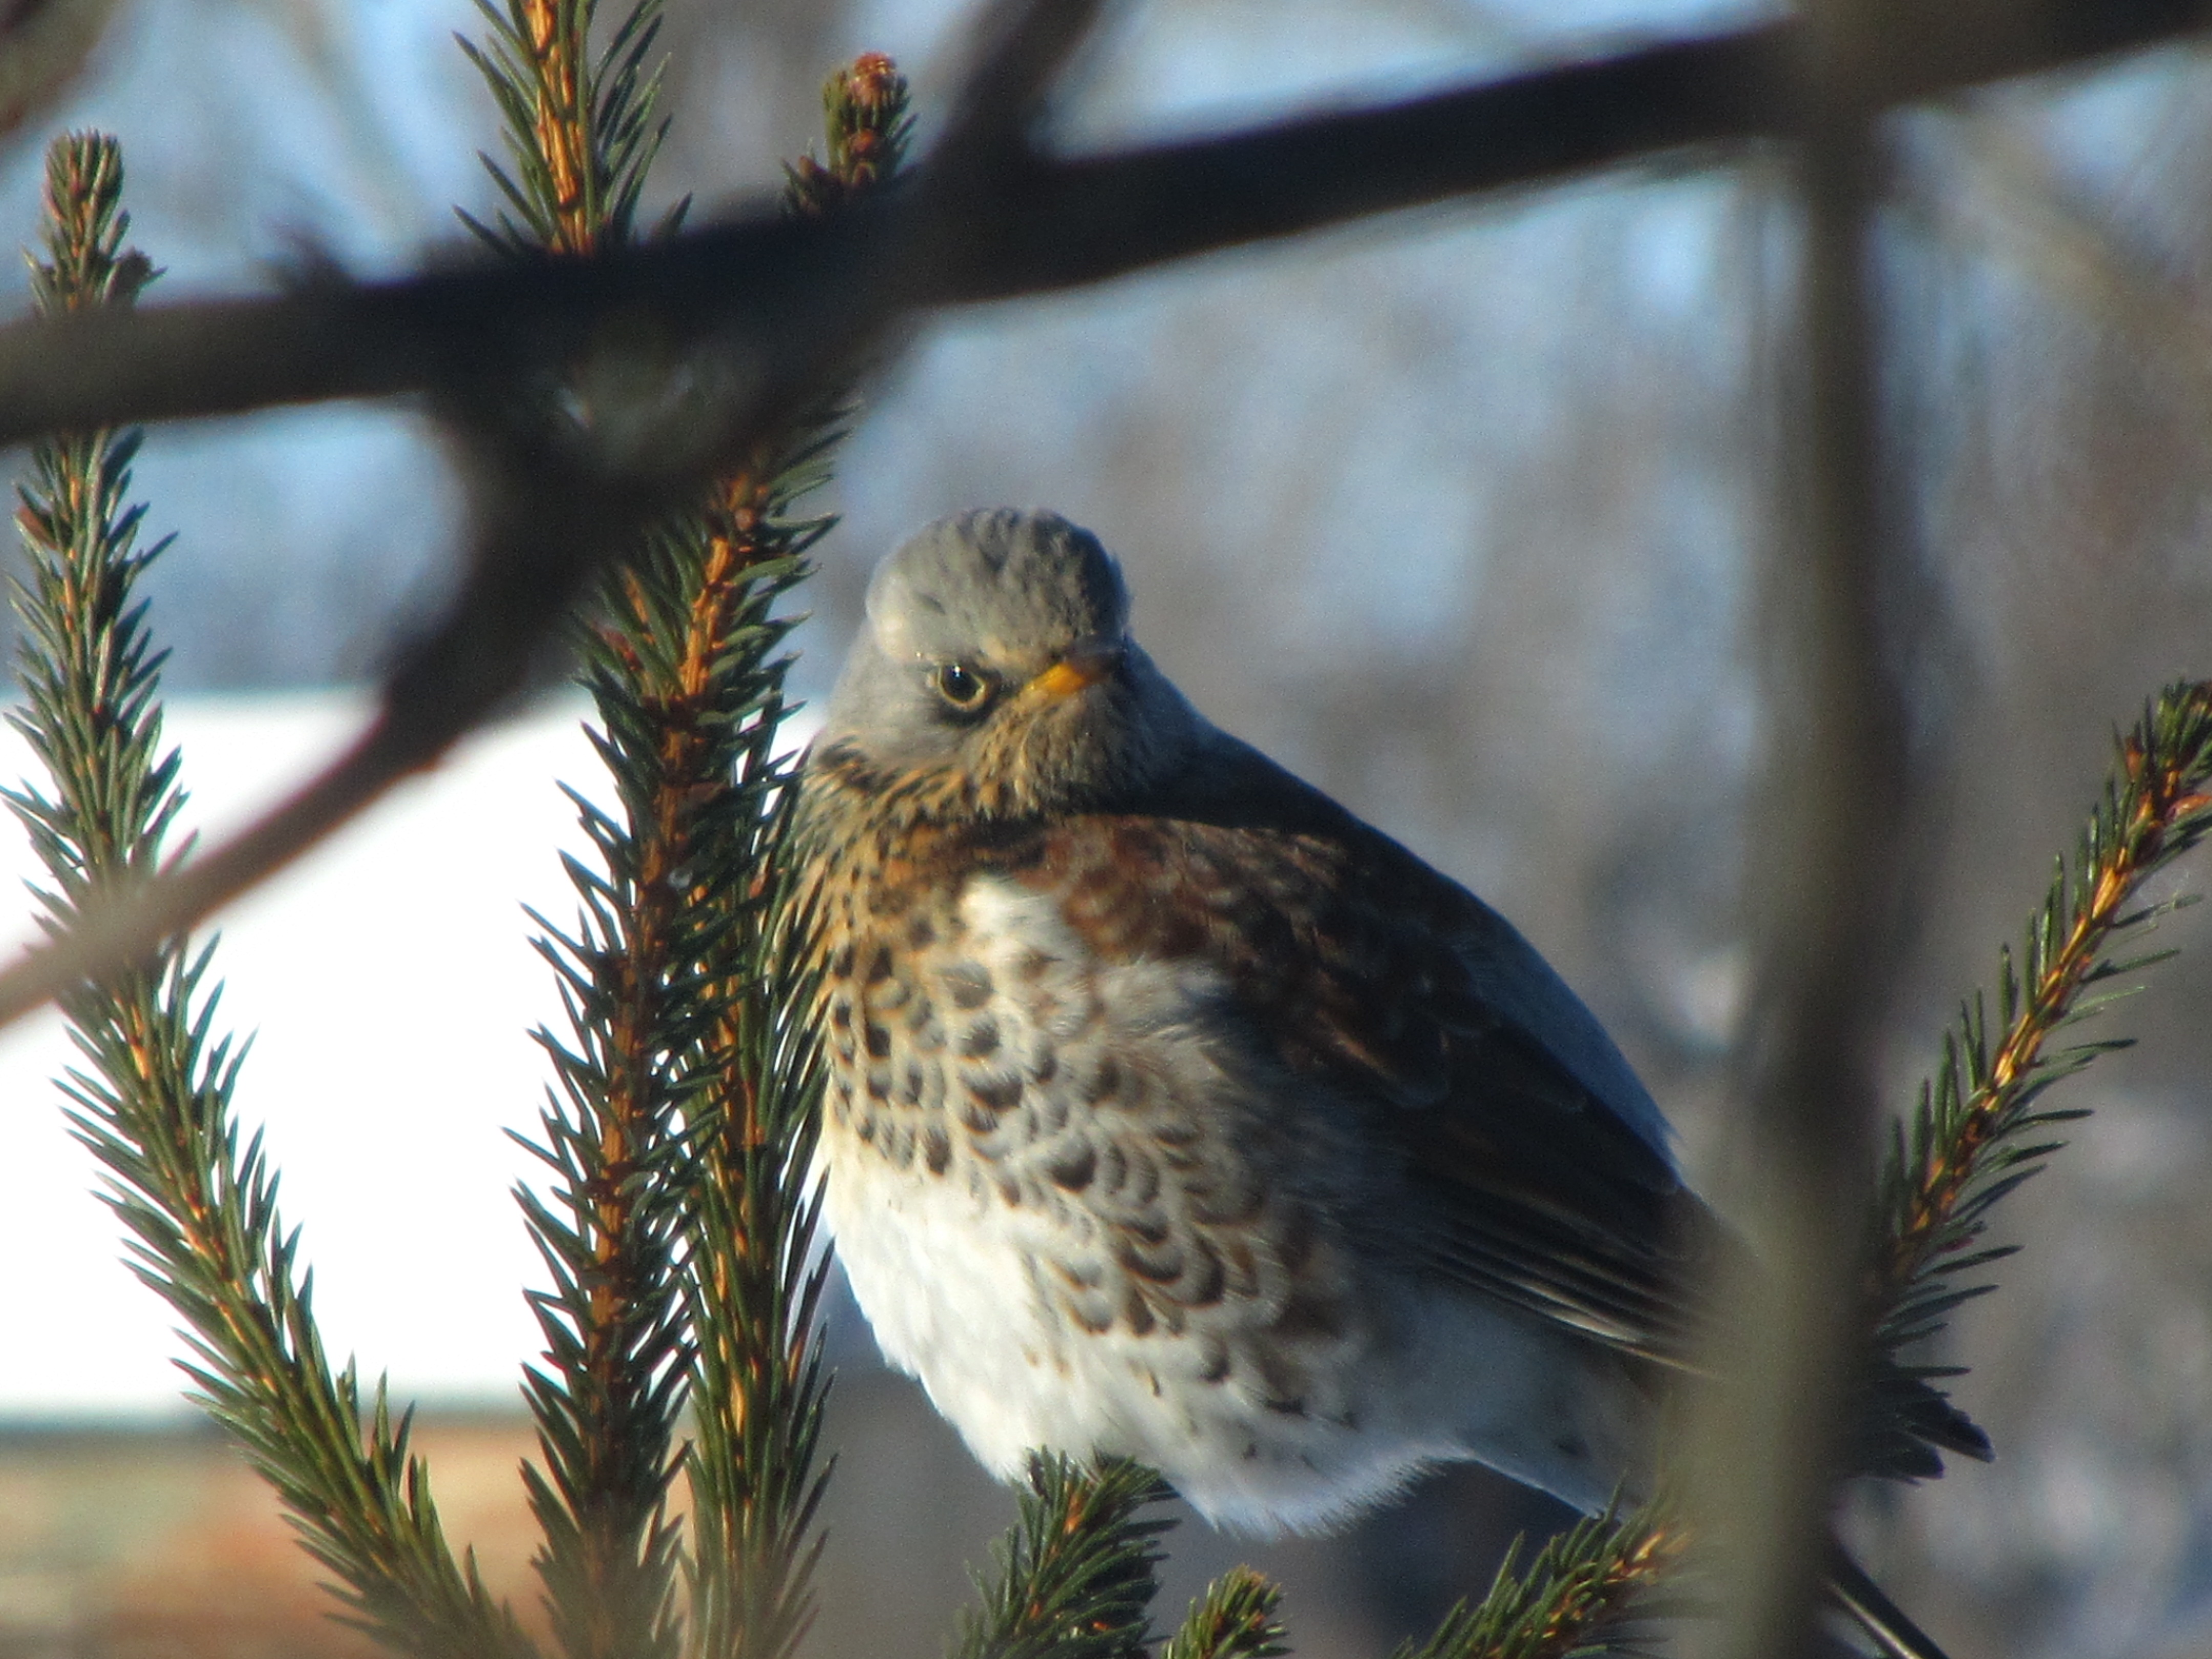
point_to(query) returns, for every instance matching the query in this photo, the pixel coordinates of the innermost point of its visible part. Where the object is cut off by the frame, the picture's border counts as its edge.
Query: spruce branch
(865, 107)
(1235, 1618)
(680, 1227)
(1074, 1577)
(1981, 1127)
(580, 133)
(154, 1106)
(1577, 1596)
(755, 1277)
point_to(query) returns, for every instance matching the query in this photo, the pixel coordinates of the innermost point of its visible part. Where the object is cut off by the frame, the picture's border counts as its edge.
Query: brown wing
(1535, 1168)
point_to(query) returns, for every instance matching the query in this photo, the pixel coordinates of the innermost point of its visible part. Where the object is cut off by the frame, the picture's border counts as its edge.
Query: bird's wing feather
(1535, 1164)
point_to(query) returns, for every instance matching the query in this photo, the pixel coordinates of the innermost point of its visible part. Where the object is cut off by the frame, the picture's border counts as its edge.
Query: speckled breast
(1057, 1186)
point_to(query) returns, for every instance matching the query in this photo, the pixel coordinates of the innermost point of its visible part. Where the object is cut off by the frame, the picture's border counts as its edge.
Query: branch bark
(1053, 223)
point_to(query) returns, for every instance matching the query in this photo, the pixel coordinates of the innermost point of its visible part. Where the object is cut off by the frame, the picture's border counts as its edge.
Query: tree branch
(1061, 223)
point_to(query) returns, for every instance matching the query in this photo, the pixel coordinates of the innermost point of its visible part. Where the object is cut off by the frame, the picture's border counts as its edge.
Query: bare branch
(1064, 221)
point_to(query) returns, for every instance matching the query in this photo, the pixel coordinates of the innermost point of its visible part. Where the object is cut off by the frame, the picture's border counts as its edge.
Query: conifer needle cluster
(198, 1204)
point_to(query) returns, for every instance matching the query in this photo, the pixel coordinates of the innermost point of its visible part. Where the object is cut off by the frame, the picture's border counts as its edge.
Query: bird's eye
(966, 689)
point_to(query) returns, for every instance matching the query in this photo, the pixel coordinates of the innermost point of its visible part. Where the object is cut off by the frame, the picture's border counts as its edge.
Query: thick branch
(1037, 226)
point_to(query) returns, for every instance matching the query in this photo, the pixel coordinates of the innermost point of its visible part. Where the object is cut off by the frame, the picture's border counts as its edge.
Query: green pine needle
(1980, 1128)
(680, 1224)
(580, 129)
(1235, 1618)
(1579, 1596)
(153, 1102)
(1073, 1578)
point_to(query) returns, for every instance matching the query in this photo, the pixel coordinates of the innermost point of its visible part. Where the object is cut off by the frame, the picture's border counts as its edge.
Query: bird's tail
(1891, 1629)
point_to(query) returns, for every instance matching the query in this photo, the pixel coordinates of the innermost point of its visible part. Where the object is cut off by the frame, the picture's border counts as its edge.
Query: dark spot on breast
(982, 1039)
(1143, 1183)
(879, 1086)
(1033, 966)
(1162, 1265)
(879, 965)
(1073, 1169)
(1243, 1268)
(1202, 1286)
(920, 933)
(1010, 1191)
(969, 984)
(1105, 1082)
(1148, 1229)
(879, 1041)
(1136, 1314)
(936, 1148)
(1045, 1067)
(840, 1015)
(1083, 1275)
(1093, 1314)
(996, 1094)
(1214, 1366)
(841, 964)
(909, 1092)
(1291, 1408)
(1224, 1199)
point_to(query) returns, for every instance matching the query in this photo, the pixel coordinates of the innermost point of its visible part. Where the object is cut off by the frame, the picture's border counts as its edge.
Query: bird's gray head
(994, 676)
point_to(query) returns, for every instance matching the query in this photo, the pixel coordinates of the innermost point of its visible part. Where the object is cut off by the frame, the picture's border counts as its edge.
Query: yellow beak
(1085, 665)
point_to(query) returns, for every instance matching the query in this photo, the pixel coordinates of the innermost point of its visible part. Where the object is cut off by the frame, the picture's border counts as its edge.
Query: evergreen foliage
(680, 1228)
(1577, 1596)
(199, 1207)
(1074, 1577)
(1235, 1618)
(581, 130)
(1977, 1133)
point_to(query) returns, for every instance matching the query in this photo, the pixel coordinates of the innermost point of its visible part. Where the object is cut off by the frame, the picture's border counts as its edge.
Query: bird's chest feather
(1068, 1205)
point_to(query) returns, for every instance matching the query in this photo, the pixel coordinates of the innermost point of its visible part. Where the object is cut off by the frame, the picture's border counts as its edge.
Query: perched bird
(1175, 1113)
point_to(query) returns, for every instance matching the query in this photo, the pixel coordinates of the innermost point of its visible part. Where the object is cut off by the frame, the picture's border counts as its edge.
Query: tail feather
(1857, 1595)
(1906, 1423)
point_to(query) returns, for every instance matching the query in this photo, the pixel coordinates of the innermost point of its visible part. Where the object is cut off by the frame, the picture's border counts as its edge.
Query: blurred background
(1457, 513)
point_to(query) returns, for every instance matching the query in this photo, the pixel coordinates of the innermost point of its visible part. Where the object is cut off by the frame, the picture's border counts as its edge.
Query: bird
(1172, 1112)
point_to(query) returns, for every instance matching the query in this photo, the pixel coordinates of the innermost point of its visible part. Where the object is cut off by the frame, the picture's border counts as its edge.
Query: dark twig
(1069, 220)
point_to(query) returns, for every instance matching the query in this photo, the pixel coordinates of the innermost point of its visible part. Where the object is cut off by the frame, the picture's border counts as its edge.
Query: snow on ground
(390, 986)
